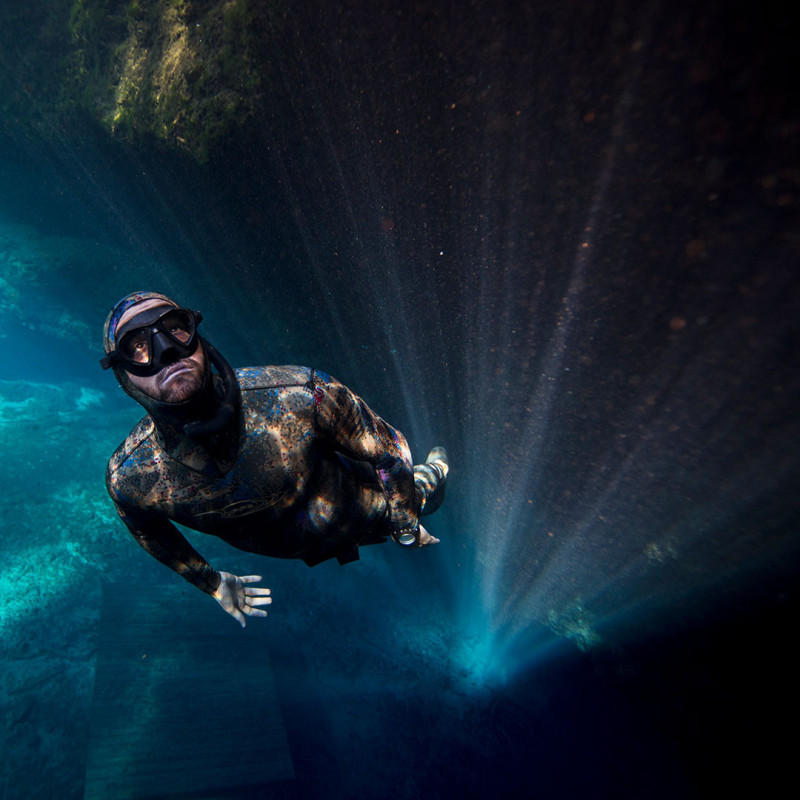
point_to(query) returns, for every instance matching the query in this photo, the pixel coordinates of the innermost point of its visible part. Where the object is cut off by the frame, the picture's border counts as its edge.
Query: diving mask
(153, 339)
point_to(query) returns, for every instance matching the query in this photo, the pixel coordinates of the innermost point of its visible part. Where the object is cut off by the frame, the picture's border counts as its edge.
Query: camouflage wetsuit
(306, 470)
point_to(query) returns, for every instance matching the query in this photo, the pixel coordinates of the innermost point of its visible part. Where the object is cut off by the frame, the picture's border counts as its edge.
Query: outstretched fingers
(256, 592)
(254, 596)
(252, 602)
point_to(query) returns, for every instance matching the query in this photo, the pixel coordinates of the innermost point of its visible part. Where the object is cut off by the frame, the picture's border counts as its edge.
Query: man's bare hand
(425, 538)
(240, 600)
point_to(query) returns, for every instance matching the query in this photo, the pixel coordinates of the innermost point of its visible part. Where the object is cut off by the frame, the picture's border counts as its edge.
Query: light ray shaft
(647, 576)
(505, 527)
(546, 391)
(382, 280)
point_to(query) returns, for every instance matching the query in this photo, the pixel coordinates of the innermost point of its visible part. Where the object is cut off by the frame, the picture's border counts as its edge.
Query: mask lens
(135, 346)
(179, 325)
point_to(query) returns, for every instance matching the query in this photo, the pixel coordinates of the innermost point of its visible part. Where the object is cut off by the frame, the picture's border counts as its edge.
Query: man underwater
(281, 461)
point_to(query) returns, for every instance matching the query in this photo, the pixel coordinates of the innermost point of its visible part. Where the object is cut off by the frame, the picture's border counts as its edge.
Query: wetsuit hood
(208, 411)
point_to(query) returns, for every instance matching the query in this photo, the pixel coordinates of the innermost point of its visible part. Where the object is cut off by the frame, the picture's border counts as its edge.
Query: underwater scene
(558, 240)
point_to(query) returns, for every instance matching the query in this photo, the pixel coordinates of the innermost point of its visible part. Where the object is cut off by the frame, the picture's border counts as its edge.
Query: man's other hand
(425, 538)
(240, 600)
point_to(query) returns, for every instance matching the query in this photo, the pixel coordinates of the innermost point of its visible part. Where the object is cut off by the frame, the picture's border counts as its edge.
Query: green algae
(184, 72)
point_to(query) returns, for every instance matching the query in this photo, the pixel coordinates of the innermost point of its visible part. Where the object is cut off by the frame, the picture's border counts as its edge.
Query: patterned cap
(120, 307)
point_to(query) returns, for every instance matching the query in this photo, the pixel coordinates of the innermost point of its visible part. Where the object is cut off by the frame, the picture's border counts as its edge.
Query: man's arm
(345, 420)
(159, 537)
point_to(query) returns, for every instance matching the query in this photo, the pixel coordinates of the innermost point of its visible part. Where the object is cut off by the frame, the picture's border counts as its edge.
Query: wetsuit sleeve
(346, 421)
(164, 541)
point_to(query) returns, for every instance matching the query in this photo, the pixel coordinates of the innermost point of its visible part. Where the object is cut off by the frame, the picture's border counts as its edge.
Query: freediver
(282, 461)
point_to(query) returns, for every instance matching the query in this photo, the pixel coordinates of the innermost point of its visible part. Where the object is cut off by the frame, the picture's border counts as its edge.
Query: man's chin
(181, 388)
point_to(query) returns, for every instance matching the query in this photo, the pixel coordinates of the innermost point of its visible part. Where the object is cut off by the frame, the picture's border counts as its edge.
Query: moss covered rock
(183, 71)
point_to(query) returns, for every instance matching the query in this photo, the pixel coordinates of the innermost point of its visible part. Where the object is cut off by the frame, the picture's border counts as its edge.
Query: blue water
(562, 243)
